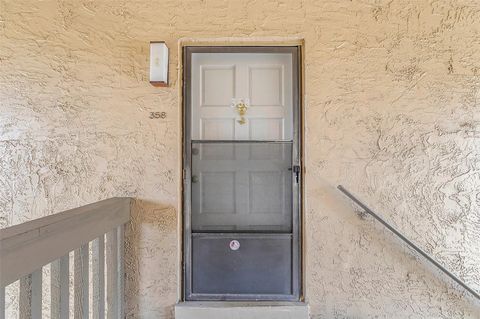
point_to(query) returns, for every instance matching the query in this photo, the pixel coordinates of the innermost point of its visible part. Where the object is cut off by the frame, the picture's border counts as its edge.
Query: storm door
(241, 173)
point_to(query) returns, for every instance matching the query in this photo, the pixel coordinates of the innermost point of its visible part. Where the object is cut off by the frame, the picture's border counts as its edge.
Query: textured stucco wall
(392, 104)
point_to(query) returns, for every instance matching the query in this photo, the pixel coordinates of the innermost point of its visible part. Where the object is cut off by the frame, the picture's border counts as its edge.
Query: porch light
(158, 63)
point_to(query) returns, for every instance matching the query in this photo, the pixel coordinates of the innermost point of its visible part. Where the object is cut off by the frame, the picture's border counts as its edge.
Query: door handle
(241, 108)
(296, 171)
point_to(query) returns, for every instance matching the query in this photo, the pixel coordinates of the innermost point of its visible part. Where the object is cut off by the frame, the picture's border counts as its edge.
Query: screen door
(241, 173)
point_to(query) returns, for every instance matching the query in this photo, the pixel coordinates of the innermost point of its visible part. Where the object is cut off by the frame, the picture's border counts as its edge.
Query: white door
(262, 81)
(243, 186)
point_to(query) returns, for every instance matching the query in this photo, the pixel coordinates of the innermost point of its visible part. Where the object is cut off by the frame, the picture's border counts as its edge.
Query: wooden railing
(95, 230)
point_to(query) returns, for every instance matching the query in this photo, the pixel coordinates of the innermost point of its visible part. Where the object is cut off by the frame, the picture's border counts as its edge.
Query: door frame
(297, 188)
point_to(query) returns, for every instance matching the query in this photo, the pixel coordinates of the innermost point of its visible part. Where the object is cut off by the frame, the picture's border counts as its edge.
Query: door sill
(241, 310)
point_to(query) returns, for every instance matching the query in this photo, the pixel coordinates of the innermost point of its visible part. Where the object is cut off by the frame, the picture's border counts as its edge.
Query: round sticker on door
(234, 245)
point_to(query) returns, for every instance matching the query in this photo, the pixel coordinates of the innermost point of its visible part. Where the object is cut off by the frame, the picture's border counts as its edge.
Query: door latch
(296, 170)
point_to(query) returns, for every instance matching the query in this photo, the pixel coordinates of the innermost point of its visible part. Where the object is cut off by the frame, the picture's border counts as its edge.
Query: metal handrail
(406, 240)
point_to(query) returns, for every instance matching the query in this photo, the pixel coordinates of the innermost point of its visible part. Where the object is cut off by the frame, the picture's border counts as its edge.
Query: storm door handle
(296, 171)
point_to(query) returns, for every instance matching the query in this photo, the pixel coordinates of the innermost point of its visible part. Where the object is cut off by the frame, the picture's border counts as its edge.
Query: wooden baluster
(25, 297)
(60, 292)
(81, 283)
(2, 302)
(30, 296)
(121, 271)
(37, 294)
(98, 272)
(112, 278)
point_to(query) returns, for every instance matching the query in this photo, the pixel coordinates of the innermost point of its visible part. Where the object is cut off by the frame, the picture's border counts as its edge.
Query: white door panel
(217, 85)
(266, 85)
(266, 128)
(262, 79)
(217, 128)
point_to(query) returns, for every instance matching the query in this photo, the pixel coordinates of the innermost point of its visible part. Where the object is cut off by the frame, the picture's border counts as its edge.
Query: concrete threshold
(241, 310)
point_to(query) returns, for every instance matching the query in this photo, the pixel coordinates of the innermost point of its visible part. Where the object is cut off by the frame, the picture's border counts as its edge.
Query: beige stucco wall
(392, 109)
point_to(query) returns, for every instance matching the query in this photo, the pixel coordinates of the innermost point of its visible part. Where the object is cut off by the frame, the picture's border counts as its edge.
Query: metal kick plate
(242, 264)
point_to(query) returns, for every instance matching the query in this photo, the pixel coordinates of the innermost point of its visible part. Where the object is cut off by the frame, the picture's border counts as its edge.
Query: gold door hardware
(241, 110)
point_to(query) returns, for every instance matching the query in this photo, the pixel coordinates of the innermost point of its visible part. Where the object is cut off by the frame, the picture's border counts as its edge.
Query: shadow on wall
(410, 273)
(151, 261)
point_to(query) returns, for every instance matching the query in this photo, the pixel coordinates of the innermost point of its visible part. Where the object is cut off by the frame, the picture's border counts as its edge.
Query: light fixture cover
(158, 63)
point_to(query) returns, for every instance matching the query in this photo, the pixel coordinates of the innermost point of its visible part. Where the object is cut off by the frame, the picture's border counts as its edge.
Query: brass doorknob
(241, 108)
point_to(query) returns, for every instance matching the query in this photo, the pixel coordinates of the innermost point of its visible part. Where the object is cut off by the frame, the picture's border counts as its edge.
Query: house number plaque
(158, 115)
